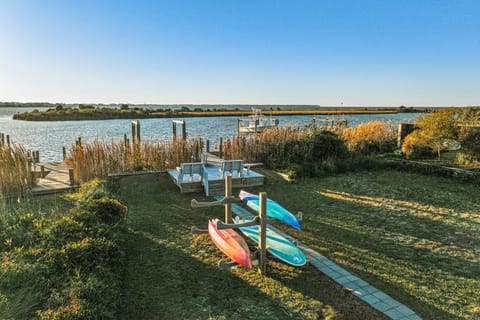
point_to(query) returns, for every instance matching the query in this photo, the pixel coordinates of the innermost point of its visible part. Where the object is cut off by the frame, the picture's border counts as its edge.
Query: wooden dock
(209, 177)
(56, 178)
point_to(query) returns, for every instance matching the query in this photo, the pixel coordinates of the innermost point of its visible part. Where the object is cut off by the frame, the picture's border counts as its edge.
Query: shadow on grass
(325, 289)
(409, 209)
(166, 283)
(425, 258)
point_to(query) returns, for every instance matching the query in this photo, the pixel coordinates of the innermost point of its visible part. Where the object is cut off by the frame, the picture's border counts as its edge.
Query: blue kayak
(277, 245)
(274, 210)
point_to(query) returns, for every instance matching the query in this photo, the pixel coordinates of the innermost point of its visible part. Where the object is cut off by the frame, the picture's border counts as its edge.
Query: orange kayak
(230, 243)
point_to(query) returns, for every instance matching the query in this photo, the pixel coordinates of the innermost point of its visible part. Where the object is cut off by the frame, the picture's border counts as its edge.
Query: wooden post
(64, 152)
(208, 145)
(184, 130)
(220, 148)
(8, 140)
(37, 156)
(238, 126)
(125, 140)
(174, 130)
(71, 176)
(228, 193)
(2, 139)
(262, 234)
(134, 129)
(42, 171)
(139, 136)
(79, 141)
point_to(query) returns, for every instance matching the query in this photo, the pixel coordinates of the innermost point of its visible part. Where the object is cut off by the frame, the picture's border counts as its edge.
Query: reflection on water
(50, 137)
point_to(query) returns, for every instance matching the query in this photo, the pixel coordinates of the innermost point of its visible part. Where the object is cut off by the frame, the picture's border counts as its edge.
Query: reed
(370, 137)
(275, 147)
(99, 159)
(15, 171)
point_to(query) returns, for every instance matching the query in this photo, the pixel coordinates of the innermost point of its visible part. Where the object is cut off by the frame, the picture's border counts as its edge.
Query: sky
(329, 53)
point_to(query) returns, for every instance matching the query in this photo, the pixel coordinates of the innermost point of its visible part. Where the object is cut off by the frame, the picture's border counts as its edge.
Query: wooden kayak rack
(260, 220)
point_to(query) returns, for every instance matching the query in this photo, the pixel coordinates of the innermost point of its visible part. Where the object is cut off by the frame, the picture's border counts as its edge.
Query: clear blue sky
(385, 52)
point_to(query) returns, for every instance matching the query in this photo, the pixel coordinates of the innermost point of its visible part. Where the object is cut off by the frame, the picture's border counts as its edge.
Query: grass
(98, 159)
(62, 263)
(174, 275)
(415, 237)
(18, 303)
(15, 171)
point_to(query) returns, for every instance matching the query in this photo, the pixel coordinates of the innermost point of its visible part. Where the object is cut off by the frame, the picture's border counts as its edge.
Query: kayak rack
(260, 220)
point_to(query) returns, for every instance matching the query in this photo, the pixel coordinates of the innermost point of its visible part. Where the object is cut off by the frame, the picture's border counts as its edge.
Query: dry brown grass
(99, 159)
(15, 170)
(370, 132)
(268, 144)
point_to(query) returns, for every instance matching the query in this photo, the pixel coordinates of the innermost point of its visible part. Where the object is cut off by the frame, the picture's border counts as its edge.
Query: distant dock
(52, 178)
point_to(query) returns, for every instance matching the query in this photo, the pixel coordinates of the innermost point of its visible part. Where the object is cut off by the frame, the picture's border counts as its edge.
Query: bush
(107, 210)
(470, 150)
(71, 264)
(414, 147)
(327, 145)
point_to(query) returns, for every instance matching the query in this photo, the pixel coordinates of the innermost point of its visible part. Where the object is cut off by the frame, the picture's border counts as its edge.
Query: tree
(437, 127)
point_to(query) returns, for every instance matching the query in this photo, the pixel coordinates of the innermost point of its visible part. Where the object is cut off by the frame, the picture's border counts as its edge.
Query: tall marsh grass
(370, 137)
(273, 147)
(98, 159)
(15, 171)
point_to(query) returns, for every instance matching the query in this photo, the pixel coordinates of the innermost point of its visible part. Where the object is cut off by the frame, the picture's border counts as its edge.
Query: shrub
(327, 145)
(107, 210)
(71, 264)
(470, 150)
(414, 147)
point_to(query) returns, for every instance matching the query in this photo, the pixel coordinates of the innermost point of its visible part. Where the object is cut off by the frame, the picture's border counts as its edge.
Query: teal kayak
(277, 245)
(274, 210)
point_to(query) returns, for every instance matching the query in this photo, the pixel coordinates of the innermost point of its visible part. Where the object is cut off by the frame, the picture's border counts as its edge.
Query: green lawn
(415, 237)
(174, 275)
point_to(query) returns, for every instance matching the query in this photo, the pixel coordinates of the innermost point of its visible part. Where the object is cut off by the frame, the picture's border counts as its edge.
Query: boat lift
(260, 220)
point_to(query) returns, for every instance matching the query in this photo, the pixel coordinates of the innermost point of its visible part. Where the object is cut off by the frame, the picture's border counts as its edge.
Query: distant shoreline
(125, 112)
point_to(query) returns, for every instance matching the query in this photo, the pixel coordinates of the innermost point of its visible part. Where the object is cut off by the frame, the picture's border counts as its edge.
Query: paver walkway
(371, 295)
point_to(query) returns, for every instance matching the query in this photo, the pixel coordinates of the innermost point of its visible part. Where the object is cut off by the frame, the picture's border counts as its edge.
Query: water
(49, 137)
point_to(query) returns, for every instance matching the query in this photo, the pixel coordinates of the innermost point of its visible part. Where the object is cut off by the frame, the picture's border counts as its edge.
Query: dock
(209, 175)
(54, 177)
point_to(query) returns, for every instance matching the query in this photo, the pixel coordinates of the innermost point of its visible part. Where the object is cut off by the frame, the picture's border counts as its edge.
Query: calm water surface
(49, 137)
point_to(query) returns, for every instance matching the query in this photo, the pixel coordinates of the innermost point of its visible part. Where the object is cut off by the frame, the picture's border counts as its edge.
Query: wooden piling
(134, 130)
(42, 171)
(220, 147)
(184, 130)
(71, 177)
(2, 139)
(228, 194)
(262, 234)
(174, 130)
(8, 140)
(64, 152)
(139, 136)
(208, 146)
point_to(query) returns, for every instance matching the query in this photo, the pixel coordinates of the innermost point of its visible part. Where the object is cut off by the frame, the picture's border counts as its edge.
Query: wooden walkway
(56, 178)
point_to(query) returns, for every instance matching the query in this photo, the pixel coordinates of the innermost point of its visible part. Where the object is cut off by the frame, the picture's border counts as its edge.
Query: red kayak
(230, 243)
